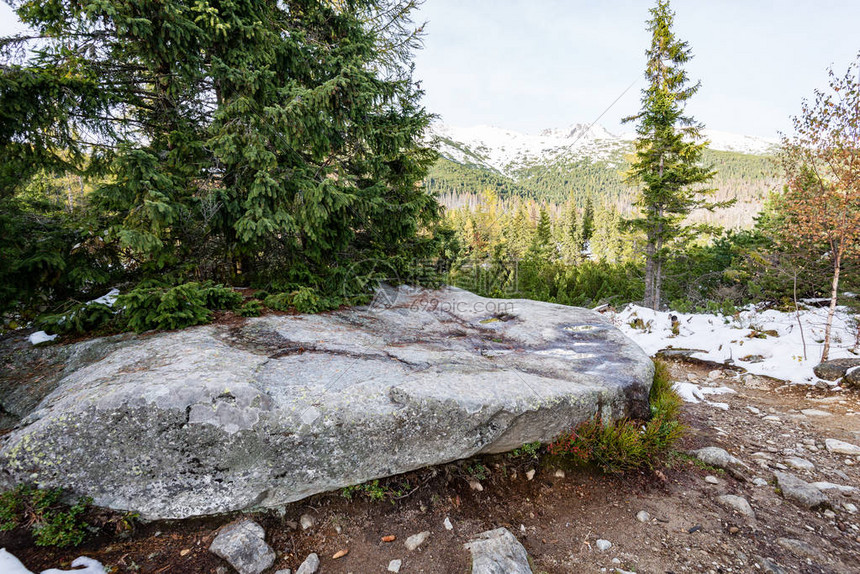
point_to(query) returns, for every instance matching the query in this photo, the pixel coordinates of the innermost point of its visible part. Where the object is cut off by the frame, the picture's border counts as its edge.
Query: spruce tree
(669, 150)
(246, 141)
(542, 245)
(569, 235)
(587, 222)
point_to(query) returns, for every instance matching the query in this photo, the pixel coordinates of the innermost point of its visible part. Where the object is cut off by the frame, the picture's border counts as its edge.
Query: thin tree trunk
(837, 266)
(649, 274)
(797, 315)
(658, 282)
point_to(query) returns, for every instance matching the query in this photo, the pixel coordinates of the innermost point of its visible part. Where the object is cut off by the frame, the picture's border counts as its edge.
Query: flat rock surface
(221, 418)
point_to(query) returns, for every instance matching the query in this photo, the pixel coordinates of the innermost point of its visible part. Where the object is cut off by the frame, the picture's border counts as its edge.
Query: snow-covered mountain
(505, 151)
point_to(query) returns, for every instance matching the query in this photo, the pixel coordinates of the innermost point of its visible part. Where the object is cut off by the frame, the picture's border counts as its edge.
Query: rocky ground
(673, 520)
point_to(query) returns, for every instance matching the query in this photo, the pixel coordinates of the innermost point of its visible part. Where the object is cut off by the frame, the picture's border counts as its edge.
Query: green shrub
(81, 318)
(252, 308)
(627, 444)
(306, 300)
(218, 297)
(146, 308)
(51, 523)
(303, 300)
(528, 450)
(391, 489)
(278, 301)
(682, 305)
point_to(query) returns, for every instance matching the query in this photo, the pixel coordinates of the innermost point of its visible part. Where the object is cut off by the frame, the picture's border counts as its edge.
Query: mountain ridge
(506, 151)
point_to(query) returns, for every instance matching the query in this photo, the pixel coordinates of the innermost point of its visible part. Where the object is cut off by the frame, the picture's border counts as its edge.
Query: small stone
(184, 552)
(643, 516)
(338, 528)
(758, 481)
(710, 479)
(734, 529)
(243, 545)
(841, 447)
(850, 508)
(798, 463)
(310, 565)
(530, 474)
(716, 456)
(616, 561)
(475, 485)
(307, 521)
(394, 565)
(771, 419)
(497, 551)
(559, 473)
(714, 375)
(753, 410)
(447, 524)
(603, 545)
(389, 538)
(737, 503)
(416, 540)
(340, 554)
(287, 571)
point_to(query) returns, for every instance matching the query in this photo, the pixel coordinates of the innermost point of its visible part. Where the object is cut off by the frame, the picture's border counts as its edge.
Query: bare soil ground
(559, 518)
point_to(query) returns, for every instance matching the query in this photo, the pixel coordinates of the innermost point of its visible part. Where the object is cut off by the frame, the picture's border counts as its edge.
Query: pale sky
(533, 64)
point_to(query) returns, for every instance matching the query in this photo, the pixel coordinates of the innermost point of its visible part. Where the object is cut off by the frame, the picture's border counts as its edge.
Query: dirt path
(560, 518)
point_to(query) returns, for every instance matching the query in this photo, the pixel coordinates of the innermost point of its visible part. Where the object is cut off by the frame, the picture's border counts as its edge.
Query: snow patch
(11, 565)
(505, 151)
(764, 342)
(38, 338)
(108, 298)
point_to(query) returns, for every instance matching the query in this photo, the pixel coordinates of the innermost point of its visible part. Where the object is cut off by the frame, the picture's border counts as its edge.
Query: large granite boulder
(220, 418)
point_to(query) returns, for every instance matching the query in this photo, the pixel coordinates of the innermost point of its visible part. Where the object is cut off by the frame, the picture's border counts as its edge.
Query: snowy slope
(778, 354)
(505, 151)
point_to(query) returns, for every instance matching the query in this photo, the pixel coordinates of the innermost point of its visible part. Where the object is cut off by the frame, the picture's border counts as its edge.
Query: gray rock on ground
(841, 447)
(498, 552)
(717, 457)
(310, 565)
(738, 503)
(721, 458)
(798, 463)
(799, 547)
(223, 418)
(243, 545)
(416, 540)
(768, 566)
(851, 380)
(800, 491)
(835, 369)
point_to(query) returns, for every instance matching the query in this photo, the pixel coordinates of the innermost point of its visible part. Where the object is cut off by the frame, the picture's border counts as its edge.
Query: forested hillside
(748, 178)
